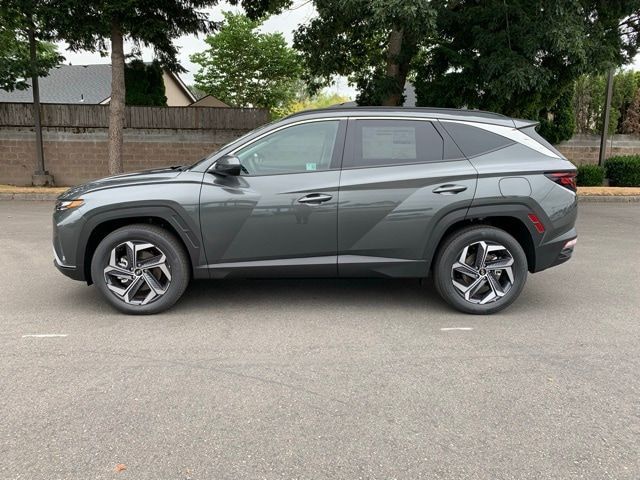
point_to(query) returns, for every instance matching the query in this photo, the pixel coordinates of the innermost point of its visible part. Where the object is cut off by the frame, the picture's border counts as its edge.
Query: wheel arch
(513, 219)
(103, 223)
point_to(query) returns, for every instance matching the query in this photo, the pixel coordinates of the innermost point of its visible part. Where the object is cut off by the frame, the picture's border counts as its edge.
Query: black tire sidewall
(176, 258)
(448, 255)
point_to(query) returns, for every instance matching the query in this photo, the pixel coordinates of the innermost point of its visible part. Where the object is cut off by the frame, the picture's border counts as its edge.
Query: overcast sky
(287, 23)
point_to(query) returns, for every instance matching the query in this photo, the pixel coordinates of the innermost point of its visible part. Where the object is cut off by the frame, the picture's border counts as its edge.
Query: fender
(170, 212)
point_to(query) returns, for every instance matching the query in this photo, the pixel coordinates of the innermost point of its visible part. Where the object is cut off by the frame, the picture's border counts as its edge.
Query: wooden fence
(97, 116)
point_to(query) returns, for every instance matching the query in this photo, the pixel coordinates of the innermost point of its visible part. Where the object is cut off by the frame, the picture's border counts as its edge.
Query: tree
(631, 123)
(372, 42)
(25, 54)
(321, 100)
(144, 84)
(88, 26)
(246, 68)
(519, 57)
(589, 96)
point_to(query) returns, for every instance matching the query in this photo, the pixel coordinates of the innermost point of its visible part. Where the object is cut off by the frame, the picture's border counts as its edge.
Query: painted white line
(45, 335)
(446, 329)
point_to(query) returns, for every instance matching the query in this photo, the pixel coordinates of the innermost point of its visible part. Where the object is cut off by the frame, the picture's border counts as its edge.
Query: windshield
(233, 142)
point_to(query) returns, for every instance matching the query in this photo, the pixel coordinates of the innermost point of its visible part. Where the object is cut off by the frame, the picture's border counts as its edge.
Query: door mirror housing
(229, 165)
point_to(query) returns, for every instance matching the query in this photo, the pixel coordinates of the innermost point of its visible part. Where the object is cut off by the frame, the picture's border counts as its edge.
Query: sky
(286, 23)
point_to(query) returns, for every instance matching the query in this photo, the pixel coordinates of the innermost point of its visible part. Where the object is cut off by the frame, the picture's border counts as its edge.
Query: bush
(623, 171)
(590, 176)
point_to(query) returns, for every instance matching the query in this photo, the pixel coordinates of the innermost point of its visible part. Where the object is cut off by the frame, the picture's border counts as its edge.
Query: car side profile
(476, 199)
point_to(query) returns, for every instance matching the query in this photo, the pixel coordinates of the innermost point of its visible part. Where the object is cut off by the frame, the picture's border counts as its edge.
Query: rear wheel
(480, 270)
(140, 269)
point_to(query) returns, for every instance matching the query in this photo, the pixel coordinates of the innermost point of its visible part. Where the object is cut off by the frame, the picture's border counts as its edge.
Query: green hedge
(623, 171)
(590, 176)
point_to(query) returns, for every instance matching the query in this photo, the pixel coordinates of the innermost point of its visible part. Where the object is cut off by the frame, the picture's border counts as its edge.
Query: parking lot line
(447, 329)
(45, 335)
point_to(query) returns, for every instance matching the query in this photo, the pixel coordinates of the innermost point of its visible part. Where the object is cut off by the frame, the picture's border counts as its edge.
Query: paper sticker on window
(311, 166)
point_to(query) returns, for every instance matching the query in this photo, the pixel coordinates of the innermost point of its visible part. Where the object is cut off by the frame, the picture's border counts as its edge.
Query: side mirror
(229, 165)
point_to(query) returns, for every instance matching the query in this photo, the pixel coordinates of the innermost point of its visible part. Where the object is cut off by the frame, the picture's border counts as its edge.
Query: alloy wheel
(137, 273)
(483, 272)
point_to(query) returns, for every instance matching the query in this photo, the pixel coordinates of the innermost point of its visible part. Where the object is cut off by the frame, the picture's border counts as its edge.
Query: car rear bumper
(557, 251)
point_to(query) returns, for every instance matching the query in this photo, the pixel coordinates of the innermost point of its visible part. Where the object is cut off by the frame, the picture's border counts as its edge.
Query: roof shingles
(89, 84)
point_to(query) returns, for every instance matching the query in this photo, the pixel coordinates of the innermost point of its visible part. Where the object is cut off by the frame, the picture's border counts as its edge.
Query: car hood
(125, 180)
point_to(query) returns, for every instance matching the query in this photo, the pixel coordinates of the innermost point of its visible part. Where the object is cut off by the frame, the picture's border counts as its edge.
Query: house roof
(89, 84)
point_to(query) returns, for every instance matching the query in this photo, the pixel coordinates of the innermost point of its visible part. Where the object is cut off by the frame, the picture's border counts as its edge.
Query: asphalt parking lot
(322, 378)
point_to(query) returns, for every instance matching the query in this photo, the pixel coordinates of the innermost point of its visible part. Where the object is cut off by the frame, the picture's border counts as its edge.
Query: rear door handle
(315, 198)
(450, 189)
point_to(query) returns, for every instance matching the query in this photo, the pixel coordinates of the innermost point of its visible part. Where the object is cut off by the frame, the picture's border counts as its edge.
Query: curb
(29, 196)
(608, 198)
(49, 197)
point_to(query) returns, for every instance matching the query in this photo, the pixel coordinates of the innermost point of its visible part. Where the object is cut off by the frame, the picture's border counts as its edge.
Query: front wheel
(140, 269)
(480, 270)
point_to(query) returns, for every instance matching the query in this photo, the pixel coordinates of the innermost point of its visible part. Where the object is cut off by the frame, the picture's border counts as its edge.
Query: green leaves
(144, 84)
(16, 18)
(246, 68)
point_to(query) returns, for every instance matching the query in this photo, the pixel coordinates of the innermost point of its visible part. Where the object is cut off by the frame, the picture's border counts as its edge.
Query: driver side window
(297, 149)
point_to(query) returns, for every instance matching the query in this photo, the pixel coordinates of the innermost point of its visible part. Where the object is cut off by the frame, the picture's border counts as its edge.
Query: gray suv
(475, 199)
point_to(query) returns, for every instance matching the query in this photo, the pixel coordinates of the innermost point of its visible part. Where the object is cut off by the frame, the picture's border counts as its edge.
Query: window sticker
(398, 143)
(311, 167)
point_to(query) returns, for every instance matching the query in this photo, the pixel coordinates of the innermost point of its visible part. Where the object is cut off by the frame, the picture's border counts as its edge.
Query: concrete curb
(48, 197)
(608, 198)
(29, 196)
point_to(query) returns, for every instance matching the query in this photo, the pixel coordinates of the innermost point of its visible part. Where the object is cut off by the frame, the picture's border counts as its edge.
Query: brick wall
(584, 149)
(76, 155)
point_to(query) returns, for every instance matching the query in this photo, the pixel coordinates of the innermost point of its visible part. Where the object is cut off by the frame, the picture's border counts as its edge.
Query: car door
(399, 177)
(279, 217)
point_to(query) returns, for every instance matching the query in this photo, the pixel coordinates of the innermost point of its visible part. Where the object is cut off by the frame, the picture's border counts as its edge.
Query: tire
(141, 269)
(470, 285)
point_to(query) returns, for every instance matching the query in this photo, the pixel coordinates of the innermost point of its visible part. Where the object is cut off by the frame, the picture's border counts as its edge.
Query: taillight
(566, 179)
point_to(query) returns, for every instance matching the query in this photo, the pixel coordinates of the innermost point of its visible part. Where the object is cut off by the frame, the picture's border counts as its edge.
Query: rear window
(474, 141)
(394, 142)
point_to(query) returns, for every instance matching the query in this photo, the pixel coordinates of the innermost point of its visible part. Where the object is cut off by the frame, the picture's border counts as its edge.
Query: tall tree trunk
(116, 106)
(35, 88)
(397, 69)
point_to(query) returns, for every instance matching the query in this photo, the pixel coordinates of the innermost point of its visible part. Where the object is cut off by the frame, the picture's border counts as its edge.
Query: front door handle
(315, 198)
(450, 189)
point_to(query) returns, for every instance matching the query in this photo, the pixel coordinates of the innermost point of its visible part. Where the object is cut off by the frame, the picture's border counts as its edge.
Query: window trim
(336, 155)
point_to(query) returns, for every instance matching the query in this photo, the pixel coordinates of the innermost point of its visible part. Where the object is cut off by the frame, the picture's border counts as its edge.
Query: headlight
(69, 204)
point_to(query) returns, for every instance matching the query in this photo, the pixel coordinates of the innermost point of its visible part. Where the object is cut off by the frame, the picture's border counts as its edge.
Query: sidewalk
(585, 194)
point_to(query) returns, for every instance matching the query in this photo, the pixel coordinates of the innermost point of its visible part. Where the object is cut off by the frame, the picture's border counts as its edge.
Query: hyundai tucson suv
(475, 199)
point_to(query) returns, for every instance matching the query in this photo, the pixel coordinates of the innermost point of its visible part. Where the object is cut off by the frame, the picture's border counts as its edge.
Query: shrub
(623, 171)
(590, 176)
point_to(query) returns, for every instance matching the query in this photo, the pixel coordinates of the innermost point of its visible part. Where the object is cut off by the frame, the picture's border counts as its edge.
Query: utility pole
(607, 114)
(40, 177)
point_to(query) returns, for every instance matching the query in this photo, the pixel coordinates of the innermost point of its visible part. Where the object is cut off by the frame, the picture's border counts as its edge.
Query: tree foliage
(144, 84)
(17, 17)
(372, 42)
(320, 100)
(520, 58)
(589, 97)
(515, 57)
(631, 123)
(246, 68)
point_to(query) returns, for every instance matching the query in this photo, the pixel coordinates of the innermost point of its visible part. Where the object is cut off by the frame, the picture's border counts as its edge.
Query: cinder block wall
(584, 149)
(77, 155)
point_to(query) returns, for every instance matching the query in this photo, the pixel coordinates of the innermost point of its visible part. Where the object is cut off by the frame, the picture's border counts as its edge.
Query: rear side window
(393, 142)
(474, 141)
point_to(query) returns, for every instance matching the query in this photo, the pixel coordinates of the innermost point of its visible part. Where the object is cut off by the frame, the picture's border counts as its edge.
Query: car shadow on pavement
(312, 293)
